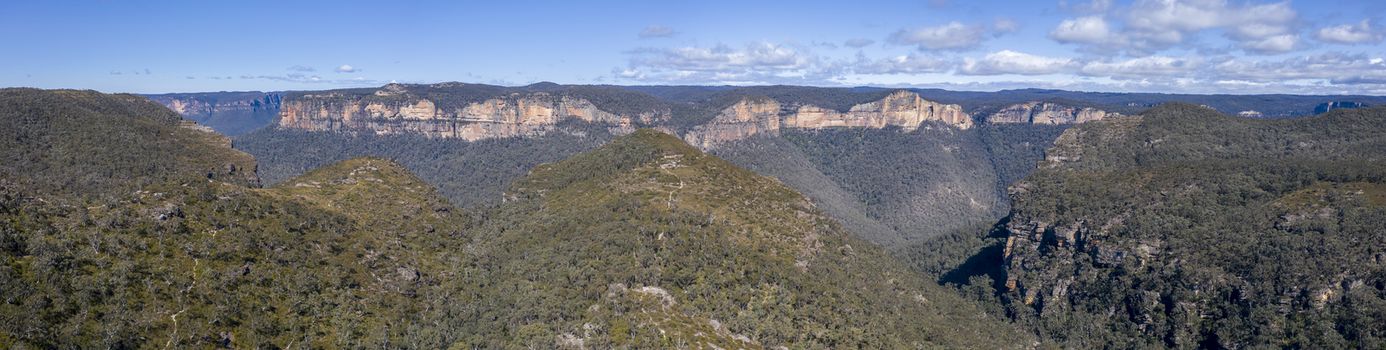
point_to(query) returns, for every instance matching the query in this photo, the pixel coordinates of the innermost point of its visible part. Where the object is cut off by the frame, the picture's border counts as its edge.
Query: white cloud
(754, 63)
(1328, 66)
(656, 32)
(905, 64)
(951, 36)
(1084, 30)
(1004, 25)
(859, 42)
(301, 78)
(1360, 33)
(301, 68)
(346, 68)
(1273, 44)
(1012, 62)
(1140, 68)
(1148, 26)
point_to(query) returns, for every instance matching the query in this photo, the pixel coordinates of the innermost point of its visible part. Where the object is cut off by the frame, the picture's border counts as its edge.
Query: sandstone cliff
(1046, 113)
(748, 117)
(395, 109)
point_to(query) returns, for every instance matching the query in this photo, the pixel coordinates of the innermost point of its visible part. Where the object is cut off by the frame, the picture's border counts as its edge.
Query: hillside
(644, 242)
(896, 167)
(1182, 227)
(91, 144)
(893, 188)
(661, 243)
(120, 227)
(469, 174)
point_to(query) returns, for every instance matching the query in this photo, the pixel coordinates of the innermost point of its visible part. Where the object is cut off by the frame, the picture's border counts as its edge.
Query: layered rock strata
(752, 116)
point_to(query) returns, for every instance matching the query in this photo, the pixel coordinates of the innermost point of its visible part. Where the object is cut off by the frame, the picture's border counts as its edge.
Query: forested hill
(91, 144)
(651, 235)
(1182, 227)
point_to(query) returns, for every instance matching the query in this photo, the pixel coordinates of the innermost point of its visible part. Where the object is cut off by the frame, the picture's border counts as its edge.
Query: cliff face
(1163, 232)
(1046, 113)
(218, 102)
(748, 117)
(394, 110)
(229, 113)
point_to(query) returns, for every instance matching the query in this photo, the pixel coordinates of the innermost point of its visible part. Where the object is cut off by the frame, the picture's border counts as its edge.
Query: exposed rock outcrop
(1250, 114)
(1130, 224)
(748, 117)
(394, 110)
(1046, 113)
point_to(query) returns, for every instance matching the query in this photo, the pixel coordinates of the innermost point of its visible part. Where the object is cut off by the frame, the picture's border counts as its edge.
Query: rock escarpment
(229, 113)
(752, 116)
(207, 104)
(1046, 113)
(1161, 230)
(395, 109)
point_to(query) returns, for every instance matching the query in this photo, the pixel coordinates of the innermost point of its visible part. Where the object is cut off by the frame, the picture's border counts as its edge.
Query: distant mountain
(940, 163)
(471, 174)
(428, 128)
(230, 113)
(1182, 227)
(235, 113)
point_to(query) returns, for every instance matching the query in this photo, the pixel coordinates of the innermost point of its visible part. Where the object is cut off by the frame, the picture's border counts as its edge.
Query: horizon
(1204, 47)
(718, 86)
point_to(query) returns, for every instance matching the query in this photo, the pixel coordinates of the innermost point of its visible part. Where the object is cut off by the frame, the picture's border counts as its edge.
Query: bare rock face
(1046, 113)
(742, 120)
(748, 117)
(393, 110)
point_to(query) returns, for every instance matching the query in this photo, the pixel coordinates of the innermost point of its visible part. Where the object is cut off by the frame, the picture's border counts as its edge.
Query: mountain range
(555, 216)
(643, 242)
(845, 148)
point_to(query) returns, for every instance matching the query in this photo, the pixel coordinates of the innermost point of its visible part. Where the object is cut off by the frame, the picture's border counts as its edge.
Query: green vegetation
(1015, 149)
(1182, 227)
(722, 242)
(642, 243)
(93, 144)
(470, 174)
(893, 188)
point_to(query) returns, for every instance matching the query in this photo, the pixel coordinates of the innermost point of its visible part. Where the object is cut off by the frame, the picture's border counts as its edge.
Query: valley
(562, 216)
(704, 175)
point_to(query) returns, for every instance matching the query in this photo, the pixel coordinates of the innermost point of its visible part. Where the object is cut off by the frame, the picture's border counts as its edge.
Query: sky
(1181, 46)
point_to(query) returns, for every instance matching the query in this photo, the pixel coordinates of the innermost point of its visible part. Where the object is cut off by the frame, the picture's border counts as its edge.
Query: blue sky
(1199, 46)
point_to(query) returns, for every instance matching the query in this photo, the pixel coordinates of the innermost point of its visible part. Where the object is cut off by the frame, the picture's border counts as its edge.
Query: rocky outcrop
(394, 110)
(1328, 106)
(1130, 224)
(1250, 114)
(1046, 113)
(752, 116)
